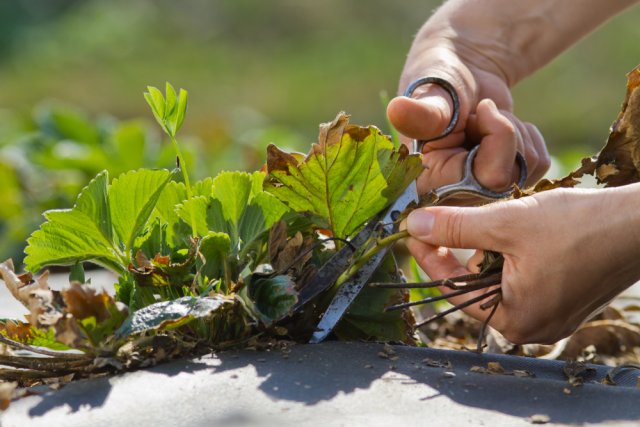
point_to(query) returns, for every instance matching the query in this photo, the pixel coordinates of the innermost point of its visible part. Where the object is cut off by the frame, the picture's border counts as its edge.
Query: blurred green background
(72, 74)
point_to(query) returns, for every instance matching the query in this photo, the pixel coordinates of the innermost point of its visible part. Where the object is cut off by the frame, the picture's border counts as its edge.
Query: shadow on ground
(311, 374)
(334, 383)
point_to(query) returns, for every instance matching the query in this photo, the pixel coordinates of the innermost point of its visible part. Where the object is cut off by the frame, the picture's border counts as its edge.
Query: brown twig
(459, 307)
(42, 351)
(493, 302)
(461, 291)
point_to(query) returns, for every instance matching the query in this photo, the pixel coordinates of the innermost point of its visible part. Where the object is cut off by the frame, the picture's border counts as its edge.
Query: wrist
(512, 39)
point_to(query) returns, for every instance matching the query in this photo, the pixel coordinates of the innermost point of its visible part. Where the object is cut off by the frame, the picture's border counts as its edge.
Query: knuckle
(453, 228)
(497, 179)
(544, 163)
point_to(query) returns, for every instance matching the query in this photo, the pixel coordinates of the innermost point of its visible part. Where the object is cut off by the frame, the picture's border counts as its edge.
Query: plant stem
(360, 262)
(185, 176)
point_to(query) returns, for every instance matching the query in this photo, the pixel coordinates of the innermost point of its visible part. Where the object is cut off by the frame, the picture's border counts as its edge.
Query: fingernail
(491, 104)
(420, 223)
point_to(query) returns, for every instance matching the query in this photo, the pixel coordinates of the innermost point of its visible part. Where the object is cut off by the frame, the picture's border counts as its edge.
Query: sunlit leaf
(237, 207)
(169, 313)
(132, 198)
(155, 99)
(348, 176)
(28, 334)
(77, 234)
(102, 226)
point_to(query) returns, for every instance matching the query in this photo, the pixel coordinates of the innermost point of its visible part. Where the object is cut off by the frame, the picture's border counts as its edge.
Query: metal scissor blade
(352, 287)
(345, 296)
(332, 269)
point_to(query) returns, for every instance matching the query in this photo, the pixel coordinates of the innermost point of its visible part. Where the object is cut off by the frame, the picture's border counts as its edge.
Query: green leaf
(47, 339)
(164, 315)
(154, 240)
(155, 99)
(366, 319)
(214, 248)
(26, 333)
(203, 188)
(237, 207)
(200, 205)
(77, 234)
(171, 101)
(181, 110)
(270, 298)
(232, 190)
(93, 203)
(177, 232)
(351, 174)
(132, 198)
(86, 232)
(170, 110)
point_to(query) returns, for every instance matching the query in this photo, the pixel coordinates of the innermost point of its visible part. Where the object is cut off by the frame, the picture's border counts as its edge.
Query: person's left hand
(567, 252)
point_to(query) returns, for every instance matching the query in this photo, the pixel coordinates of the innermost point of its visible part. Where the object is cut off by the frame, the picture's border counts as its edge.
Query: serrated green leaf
(77, 234)
(351, 174)
(261, 213)
(93, 203)
(132, 198)
(26, 333)
(164, 315)
(270, 298)
(200, 205)
(232, 190)
(237, 207)
(177, 232)
(203, 188)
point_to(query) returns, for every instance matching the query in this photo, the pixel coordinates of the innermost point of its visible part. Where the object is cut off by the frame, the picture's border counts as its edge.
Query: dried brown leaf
(610, 337)
(84, 302)
(619, 161)
(6, 394)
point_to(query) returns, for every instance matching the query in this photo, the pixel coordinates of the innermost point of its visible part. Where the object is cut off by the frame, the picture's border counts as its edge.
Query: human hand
(567, 252)
(486, 118)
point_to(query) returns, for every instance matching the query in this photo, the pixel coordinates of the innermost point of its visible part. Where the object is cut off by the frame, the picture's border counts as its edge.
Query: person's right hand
(486, 118)
(567, 252)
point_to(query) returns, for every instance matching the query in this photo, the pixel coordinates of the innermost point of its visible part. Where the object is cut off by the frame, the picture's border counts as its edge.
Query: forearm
(510, 38)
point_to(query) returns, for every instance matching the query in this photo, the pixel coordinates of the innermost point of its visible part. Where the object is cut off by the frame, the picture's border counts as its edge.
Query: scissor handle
(470, 185)
(444, 84)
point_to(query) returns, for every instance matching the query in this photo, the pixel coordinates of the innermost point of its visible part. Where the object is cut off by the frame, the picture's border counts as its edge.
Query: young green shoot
(169, 113)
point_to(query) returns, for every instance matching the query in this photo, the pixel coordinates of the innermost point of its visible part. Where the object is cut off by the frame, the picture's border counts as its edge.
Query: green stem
(185, 176)
(360, 262)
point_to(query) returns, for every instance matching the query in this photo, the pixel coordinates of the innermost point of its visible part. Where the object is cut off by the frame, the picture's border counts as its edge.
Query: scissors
(386, 224)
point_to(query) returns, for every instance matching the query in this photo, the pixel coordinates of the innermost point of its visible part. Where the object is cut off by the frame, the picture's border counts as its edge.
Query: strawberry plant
(206, 264)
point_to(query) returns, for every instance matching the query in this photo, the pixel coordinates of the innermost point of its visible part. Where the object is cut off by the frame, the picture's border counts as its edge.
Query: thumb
(423, 118)
(456, 227)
